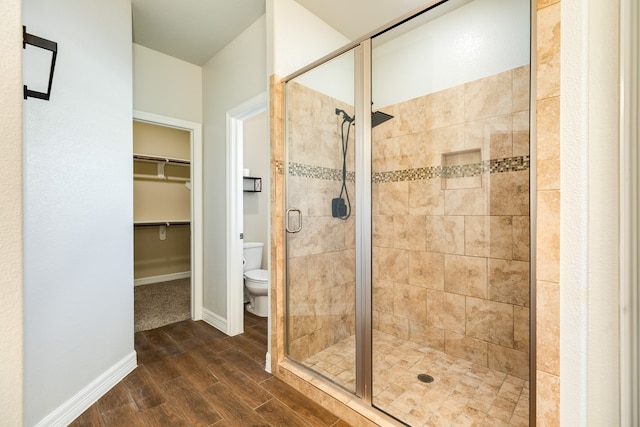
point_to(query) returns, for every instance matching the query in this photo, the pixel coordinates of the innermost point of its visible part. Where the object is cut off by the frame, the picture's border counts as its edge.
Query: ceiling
(196, 30)
(192, 30)
(356, 18)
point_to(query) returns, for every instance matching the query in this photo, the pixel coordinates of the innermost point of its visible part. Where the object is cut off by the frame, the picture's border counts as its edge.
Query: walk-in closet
(162, 228)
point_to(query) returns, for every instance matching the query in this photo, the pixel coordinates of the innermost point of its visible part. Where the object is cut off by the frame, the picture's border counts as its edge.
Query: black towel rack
(30, 39)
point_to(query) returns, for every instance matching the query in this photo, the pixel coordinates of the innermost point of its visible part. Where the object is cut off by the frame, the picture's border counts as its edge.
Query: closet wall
(162, 203)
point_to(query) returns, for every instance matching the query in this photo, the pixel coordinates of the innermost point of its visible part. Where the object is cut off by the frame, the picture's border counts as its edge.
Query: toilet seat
(260, 276)
(256, 284)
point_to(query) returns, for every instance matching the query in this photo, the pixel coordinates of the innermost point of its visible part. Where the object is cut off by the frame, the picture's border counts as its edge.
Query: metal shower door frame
(364, 308)
(363, 214)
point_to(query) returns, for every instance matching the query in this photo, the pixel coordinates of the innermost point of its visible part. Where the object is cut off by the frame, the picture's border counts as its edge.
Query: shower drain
(425, 378)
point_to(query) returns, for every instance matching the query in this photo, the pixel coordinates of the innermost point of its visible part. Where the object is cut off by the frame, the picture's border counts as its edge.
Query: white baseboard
(215, 320)
(161, 278)
(267, 363)
(74, 407)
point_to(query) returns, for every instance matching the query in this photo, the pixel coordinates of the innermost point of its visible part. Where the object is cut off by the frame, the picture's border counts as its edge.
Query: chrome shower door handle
(287, 216)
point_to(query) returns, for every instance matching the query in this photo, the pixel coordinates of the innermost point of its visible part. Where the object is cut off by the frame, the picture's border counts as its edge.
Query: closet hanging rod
(160, 223)
(158, 159)
(160, 178)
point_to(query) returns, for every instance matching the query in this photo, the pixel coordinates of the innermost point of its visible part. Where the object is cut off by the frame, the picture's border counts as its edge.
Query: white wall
(256, 154)
(235, 75)
(604, 214)
(335, 78)
(166, 86)
(11, 296)
(478, 39)
(589, 240)
(296, 37)
(78, 234)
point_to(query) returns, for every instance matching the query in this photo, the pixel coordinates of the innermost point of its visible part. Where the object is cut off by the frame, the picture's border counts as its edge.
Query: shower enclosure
(408, 216)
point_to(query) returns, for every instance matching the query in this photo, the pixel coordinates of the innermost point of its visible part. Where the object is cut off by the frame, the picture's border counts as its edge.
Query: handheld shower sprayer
(341, 205)
(345, 116)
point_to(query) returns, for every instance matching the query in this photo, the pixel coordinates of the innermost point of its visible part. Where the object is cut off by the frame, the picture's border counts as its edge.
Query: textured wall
(11, 298)
(166, 86)
(548, 214)
(78, 208)
(451, 221)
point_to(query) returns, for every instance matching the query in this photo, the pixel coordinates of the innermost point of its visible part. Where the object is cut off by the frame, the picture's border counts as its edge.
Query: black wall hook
(30, 39)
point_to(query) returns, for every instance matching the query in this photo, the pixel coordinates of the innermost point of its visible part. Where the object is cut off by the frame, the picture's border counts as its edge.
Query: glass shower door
(450, 216)
(320, 220)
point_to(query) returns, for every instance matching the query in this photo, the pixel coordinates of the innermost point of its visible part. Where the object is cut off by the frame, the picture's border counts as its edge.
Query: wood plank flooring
(191, 374)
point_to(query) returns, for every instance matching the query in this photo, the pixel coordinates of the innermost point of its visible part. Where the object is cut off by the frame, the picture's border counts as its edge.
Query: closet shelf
(161, 159)
(167, 223)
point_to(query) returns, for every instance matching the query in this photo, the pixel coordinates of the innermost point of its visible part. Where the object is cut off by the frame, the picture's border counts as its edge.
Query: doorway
(183, 222)
(236, 119)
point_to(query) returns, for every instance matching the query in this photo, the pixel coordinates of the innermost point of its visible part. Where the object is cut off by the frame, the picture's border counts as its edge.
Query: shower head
(377, 117)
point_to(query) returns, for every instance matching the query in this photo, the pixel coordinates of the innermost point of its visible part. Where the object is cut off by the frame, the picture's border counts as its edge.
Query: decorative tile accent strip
(279, 167)
(463, 171)
(508, 164)
(408, 174)
(318, 172)
(511, 164)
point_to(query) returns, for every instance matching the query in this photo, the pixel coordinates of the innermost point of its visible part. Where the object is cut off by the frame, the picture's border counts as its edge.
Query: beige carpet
(160, 304)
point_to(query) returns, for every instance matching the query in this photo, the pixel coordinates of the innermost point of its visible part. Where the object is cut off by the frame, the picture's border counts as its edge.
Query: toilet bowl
(256, 280)
(256, 283)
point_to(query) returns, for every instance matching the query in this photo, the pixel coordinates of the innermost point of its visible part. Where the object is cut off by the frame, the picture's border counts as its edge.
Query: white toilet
(256, 281)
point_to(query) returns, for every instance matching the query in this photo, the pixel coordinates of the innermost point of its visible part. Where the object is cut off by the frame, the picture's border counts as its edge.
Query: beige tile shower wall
(548, 214)
(451, 254)
(276, 190)
(322, 255)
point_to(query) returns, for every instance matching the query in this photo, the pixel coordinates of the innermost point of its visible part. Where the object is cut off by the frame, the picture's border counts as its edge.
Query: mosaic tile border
(508, 164)
(319, 172)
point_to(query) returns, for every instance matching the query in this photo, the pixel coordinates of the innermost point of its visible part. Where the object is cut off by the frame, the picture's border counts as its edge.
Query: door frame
(235, 282)
(629, 160)
(197, 264)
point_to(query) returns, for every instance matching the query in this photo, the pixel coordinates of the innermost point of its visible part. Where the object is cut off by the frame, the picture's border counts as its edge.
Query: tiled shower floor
(462, 394)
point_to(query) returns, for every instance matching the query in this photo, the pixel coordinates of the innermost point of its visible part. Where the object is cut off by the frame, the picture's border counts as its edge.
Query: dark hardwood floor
(191, 374)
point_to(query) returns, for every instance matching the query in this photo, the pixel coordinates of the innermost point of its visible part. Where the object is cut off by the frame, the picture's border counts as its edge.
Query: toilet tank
(252, 255)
